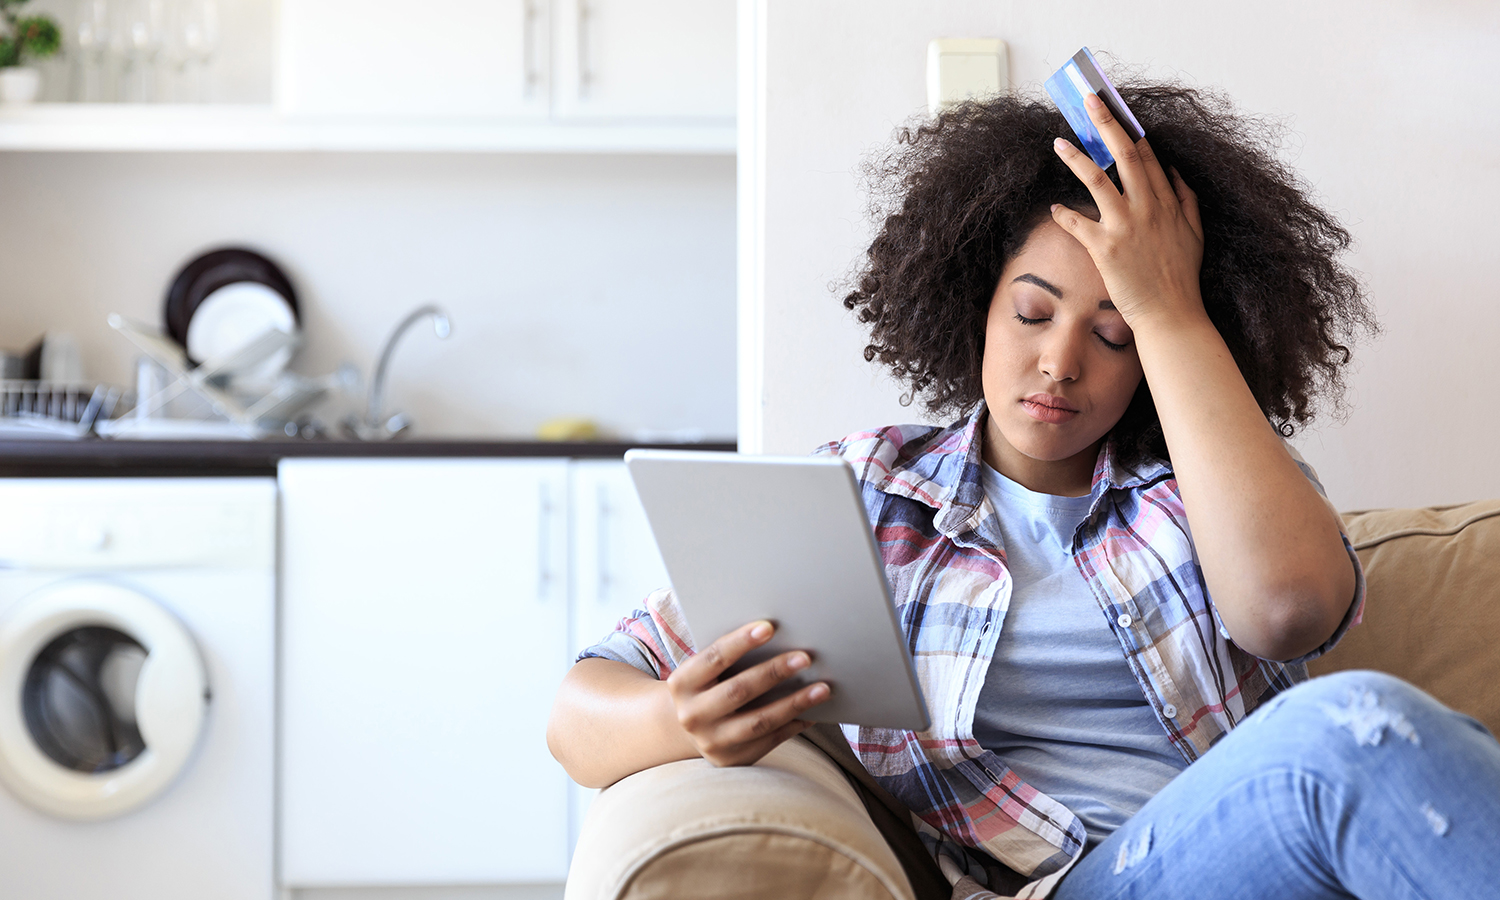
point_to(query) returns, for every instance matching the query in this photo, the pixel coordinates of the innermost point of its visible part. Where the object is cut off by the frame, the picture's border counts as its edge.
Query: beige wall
(1393, 119)
(595, 286)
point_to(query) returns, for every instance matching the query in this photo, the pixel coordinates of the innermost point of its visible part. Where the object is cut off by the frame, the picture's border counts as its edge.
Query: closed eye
(1102, 339)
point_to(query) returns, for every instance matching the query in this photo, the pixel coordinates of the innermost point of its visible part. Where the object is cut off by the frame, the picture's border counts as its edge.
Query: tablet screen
(785, 539)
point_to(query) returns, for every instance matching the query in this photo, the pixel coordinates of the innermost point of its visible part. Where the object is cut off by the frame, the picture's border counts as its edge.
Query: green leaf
(39, 36)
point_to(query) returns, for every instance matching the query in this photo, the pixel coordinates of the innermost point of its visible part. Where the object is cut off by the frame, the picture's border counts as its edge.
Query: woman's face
(1060, 365)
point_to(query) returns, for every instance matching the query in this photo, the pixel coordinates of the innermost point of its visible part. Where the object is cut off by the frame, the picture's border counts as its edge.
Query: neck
(1071, 477)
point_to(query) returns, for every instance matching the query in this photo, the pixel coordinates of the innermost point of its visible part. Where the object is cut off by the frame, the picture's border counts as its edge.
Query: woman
(1128, 355)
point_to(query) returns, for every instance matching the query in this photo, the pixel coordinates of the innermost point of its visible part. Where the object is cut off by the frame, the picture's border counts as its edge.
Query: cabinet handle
(544, 546)
(602, 545)
(585, 48)
(528, 50)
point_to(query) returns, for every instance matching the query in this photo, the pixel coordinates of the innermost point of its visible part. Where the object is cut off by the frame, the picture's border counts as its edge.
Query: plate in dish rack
(225, 299)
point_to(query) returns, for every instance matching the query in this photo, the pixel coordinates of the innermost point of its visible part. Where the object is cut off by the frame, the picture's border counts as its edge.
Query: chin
(1046, 451)
(1053, 456)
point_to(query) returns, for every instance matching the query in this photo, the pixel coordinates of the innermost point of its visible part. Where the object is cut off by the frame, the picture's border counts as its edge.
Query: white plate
(234, 315)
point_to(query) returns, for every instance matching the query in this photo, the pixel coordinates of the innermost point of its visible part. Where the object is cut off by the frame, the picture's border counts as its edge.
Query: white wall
(1391, 114)
(596, 286)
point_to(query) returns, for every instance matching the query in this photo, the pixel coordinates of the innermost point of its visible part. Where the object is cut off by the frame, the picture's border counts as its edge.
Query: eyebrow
(1051, 288)
(1040, 282)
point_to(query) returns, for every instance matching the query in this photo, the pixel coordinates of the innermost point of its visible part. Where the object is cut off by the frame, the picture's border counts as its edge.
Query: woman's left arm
(1270, 546)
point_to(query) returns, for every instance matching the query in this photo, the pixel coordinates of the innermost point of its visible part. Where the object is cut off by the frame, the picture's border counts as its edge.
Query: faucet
(371, 428)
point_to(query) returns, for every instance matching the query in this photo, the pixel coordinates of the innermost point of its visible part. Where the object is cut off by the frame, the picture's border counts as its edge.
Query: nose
(1062, 355)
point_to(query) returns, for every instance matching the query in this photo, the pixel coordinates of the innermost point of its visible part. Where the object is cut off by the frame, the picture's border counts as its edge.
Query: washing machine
(137, 688)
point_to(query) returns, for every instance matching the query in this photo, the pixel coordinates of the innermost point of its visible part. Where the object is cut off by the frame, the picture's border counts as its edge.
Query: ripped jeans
(1351, 785)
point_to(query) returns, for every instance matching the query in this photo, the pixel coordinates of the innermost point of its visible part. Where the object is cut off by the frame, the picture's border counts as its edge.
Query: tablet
(785, 539)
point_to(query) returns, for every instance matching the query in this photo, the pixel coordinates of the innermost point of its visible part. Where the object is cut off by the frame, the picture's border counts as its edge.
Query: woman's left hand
(1148, 242)
(1281, 583)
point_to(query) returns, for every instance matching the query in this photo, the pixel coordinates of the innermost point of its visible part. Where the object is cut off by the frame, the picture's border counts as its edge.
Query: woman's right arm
(610, 719)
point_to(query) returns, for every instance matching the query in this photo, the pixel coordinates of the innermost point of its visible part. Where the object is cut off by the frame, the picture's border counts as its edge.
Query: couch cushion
(1432, 610)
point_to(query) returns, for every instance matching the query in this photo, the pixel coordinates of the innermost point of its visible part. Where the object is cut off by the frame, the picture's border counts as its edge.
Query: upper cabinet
(643, 59)
(469, 59)
(593, 76)
(620, 60)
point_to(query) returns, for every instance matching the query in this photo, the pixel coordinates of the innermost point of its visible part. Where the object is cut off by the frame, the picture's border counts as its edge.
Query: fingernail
(1092, 101)
(818, 692)
(761, 632)
(1060, 145)
(1055, 207)
(797, 661)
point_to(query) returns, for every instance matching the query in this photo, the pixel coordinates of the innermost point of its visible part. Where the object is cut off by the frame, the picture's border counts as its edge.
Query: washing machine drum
(102, 699)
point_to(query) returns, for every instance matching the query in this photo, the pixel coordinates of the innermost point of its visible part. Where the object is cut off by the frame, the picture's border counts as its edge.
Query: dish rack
(47, 410)
(263, 413)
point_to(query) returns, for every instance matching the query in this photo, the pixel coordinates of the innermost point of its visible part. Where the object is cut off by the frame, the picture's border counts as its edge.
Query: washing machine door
(102, 699)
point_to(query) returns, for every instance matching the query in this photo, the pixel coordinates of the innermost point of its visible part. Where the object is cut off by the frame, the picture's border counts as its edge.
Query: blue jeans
(1351, 785)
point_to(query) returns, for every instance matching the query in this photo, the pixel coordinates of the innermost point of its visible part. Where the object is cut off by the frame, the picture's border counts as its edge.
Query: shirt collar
(946, 473)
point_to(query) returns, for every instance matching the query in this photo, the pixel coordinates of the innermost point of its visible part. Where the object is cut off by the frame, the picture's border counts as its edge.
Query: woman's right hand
(712, 711)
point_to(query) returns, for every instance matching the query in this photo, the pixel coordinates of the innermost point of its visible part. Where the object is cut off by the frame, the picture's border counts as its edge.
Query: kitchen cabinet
(615, 560)
(518, 76)
(424, 633)
(444, 58)
(429, 610)
(615, 565)
(643, 59)
(477, 59)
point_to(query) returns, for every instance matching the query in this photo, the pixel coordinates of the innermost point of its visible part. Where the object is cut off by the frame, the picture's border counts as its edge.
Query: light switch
(958, 69)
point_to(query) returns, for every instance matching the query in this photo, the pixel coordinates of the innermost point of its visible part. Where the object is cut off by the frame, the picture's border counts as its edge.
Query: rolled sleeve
(655, 640)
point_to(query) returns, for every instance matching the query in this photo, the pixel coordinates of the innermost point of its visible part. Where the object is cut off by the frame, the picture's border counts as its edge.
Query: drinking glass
(92, 33)
(143, 33)
(196, 36)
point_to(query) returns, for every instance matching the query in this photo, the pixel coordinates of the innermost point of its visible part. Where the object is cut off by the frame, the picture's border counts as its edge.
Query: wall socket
(959, 69)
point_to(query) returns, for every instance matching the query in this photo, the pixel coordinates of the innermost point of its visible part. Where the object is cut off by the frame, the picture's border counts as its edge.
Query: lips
(1048, 408)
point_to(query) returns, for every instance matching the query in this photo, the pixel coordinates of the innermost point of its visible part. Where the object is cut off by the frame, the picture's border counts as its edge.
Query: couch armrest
(789, 827)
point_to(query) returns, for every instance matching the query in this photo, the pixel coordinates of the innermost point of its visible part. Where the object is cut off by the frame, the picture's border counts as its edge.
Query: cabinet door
(615, 565)
(424, 636)
(615, 560)
(644, 59)
(462, 59)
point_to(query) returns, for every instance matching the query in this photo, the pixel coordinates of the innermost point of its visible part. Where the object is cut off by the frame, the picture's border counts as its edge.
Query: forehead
(1055, 258)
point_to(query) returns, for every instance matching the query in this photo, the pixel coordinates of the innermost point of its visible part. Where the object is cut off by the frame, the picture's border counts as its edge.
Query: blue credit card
(1079, 76)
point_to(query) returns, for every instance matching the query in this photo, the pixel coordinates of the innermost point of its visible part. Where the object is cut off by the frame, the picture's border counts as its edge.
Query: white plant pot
(19, 84)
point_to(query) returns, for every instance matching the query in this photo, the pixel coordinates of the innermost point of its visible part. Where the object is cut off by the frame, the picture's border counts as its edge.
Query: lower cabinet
(430, 608)
(615, 565)
(615, 560)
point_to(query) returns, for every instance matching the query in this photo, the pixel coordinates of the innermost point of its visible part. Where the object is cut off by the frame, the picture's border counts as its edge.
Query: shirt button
(1169, 711)
(1124, 620)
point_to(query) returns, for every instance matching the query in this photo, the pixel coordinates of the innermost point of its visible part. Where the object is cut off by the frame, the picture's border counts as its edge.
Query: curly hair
(960, 195)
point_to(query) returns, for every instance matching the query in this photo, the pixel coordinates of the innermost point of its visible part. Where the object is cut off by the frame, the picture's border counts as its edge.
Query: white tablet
(784, 539)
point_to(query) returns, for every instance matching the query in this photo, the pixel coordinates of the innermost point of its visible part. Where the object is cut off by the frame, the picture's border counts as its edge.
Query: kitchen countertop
(97, 458)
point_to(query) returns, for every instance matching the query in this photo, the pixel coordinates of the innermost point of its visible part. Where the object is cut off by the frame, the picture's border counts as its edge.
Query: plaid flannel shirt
(926, 501)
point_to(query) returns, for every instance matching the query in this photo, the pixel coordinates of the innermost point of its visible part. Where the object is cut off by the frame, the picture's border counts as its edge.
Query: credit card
(1079, 76)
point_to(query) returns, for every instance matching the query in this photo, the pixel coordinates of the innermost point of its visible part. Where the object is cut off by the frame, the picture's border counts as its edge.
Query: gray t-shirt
(1059, 703)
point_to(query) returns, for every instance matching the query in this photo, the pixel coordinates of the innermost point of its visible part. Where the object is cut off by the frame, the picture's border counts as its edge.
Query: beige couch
(794, 826)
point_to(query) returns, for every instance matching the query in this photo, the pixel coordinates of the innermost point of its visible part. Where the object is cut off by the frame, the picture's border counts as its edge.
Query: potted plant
(23, 38)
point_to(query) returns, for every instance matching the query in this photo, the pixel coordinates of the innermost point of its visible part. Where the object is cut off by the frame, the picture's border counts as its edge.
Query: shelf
(226, 128)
